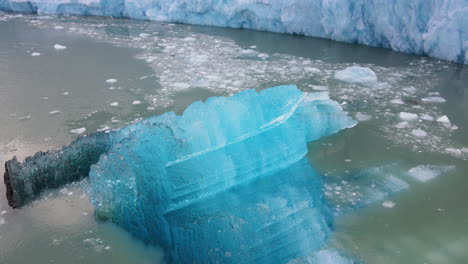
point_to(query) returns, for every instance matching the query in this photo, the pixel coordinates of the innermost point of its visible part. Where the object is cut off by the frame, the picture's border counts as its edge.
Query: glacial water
(116, 71)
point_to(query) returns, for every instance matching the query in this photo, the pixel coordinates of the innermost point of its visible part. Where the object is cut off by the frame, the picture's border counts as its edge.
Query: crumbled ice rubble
(111, 81)
(419, 132)
(97, 244)
(182, 59)
(136, 102)
(362, 117)
(54, 112)
(59, 47)
(425, 173)
(388, 204)
(114, 104)
(35, 54)
(80, 130)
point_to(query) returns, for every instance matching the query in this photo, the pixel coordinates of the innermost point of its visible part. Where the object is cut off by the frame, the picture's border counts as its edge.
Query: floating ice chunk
(426, 117)
(181, 86)
(35, 54)
(312, 69)
(434, 99)
(58, 27)
(454, 151)
(103, 128)
(397, 101)
(4, 212)
(136, 102)
(2, 221)
(388, 204)
(80, 130)
(24, 117)
(419, 132)
(59, 47)
(319, 87)
(189, 39)
(114, 104)
(44, 98)
(443, 119)
(111, 81)
(402, 124)
(150, 108)
(66, 93)
(424, 173)
(464, 150)
(410, 89)
(54, 112)
(362, 117)
(144, 35)
(356, 74)
(408, 116)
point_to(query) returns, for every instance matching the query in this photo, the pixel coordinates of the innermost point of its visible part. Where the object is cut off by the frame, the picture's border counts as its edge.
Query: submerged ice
(424, 27)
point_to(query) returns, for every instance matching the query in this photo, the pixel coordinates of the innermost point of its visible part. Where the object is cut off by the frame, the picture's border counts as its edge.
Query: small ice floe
(408, 116)
(362, 117)
(44, 98)
(58, 27)
(143, 77)
(59, 47)
(410, 89)
(263, 56)
(397, 101)
(402, 124)
(114, 104)
(424, 173)
(189, 39)
(181, 86)
(356, 74)
(136, 102)
(66, 93)
(144, 35)
(388, 204)
(311, 69)
(4, 212)
(24, 117)
(2, 221)
(443, 119)
(319, 87)
(104, 128)
(434, 99)
(426, 117)
(454, 151)
(78, 131)
(54, 112)
(111, 81)
(419, 132)
(111, 88)
(35, 54)
(150, 108)
(464, 150)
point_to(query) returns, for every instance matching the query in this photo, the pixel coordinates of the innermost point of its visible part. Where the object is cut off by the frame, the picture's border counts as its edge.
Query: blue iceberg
(227, 181)
(425, 27)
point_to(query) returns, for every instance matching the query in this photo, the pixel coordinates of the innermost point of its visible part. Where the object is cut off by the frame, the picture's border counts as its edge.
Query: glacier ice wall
(227, 181)
(437, 28)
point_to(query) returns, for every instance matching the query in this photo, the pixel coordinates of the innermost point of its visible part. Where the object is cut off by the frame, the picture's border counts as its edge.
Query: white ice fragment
(419, 132)
(388, 204)
(434, 99)
(424, 173)
(410, 89)
(362, 117)
(103, 128)
(80, 130)
(402, 124)
(66, 93)
(107, 247)
(4, 212)
(44, 98)
(464, 150)
(54, 112)
(111, 88)
(136, 102)
(58, 27)
(311, 69)
(356, 74)
(181, 86)
(189, 39)
(408, 116)
(35, 54)
(59, 47)
(397, 101)
(426, 117)
(443, 119)
(111, 81)
(24, 117)
(144, 35)
(114, 104)
(150, 108)
(454, 151)
(2, 221)
(319, 87)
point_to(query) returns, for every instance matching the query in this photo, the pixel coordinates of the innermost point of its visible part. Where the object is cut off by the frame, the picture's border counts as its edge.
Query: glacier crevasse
(437, 28)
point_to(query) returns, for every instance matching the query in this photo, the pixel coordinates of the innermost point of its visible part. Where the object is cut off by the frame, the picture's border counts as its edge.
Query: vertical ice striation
(437, 28)
(225, 182)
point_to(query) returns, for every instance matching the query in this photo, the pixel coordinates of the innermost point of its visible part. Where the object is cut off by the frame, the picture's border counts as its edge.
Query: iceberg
(424, 27)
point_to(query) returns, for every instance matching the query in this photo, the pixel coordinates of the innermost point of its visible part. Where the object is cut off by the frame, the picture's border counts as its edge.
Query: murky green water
(161, 67)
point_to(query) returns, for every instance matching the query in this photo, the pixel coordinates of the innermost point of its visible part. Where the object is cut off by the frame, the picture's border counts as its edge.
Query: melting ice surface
(226, 181)
(432, 27)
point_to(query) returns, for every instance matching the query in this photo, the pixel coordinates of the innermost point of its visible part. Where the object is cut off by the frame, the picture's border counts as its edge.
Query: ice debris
(424, 173)
(111, 81)
(35, 54)
(80, 130)
(59, 47)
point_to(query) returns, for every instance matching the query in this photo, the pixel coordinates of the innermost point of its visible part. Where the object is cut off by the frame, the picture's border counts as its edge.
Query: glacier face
(227, 181)
(437, 28)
